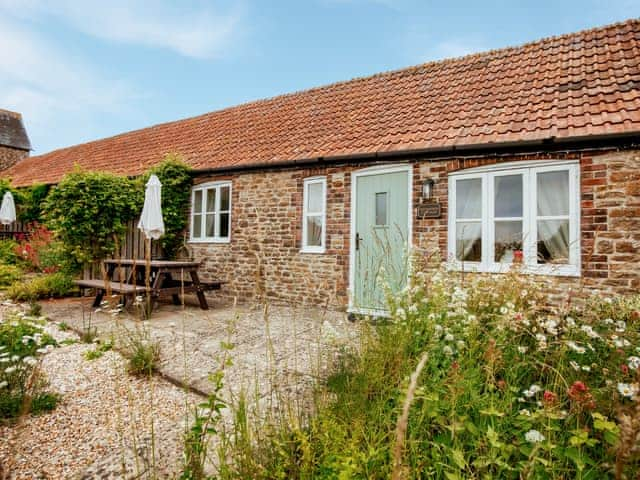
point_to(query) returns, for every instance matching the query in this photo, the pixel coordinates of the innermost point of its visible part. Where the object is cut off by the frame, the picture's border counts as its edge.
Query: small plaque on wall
(429, 210)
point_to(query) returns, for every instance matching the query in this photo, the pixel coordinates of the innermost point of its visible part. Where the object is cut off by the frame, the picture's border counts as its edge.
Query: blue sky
(81, 70)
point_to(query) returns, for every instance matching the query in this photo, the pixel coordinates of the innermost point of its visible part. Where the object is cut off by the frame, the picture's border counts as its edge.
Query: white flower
(447, 350)
(522, 349)
(401, 313)
(3, 384)
(586, 368)
(551, 326)
(503, 310)
(570, 322)
(621, 326)
(621, 342)
(534, 436)
(574, 365)
(460, 344)
(413, 308)
(589, 331)
(15, 358)
(10, 369)
(608, 300)
(471, 318)
(29, 361)
(608, 321)
(525, 412)
(634, 362)
(575, 347)
(531, 391)
(628, 389)
(438, 328)
(449, 337)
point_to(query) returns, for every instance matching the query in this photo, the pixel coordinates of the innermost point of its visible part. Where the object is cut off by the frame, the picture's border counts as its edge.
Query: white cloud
(46, 86)
(194, 32)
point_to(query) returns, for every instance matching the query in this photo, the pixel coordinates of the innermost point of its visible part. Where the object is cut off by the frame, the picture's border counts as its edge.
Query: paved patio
(274, 348)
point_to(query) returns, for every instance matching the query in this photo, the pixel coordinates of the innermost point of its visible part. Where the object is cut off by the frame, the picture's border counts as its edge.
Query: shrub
(8, 255)
(56, 284)
(22, 341)
(508, 390)
(9, 274)
(42, 252)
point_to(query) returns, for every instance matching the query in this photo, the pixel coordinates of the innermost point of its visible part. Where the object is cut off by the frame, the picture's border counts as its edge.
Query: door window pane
(469, 198)
(197, 201)
(469, 241)
(508, 195)
(381, 208)
(553, 193)
(314, 231)
(314, 197)
(553, 241)
(224, 198)
(211, 200)
(508, 240)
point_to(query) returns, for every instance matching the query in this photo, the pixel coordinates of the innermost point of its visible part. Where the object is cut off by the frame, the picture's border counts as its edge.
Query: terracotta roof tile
(584, 83)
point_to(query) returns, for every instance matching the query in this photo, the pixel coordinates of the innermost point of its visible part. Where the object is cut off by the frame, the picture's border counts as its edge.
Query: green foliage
(89, 212)
(8, 255)
(31, 203)
(22, 341)
(509, 391)
(141, 351)
(98, 351)
(56, 284)
(176, 181)
(9, 274)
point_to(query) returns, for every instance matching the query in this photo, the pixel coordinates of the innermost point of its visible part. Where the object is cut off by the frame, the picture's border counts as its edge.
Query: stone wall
(10, 156)
(263, 258)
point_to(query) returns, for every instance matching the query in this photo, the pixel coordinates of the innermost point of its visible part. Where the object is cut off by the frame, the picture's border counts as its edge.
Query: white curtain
(553, 200)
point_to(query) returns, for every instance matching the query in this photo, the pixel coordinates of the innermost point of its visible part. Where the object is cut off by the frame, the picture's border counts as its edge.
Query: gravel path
(104, 426)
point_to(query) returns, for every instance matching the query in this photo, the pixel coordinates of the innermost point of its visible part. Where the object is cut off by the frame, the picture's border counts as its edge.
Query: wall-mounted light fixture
(427, 189)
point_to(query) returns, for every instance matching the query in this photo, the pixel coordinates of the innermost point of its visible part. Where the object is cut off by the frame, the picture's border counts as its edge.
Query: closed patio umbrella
(8, 209)
(151, 222)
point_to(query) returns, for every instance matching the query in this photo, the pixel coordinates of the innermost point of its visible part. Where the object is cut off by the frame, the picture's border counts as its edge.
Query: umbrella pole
(147, 276)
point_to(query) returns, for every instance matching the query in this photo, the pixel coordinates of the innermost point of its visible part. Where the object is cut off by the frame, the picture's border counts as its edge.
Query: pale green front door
(381, 238)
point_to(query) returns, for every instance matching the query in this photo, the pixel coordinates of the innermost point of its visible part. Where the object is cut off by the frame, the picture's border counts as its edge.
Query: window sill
(313, 250)
(547, 270)
(210, 240)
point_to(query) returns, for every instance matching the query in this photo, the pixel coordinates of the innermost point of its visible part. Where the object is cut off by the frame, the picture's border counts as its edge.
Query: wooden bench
(124, 289)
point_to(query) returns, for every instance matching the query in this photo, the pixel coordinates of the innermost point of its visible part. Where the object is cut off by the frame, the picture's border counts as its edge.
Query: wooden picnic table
(166, 277)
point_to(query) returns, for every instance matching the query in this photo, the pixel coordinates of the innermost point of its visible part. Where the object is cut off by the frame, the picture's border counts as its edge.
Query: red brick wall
(263, 258)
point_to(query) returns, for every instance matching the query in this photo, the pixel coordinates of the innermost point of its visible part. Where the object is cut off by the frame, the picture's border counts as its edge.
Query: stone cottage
(525, 155)
(14, 142)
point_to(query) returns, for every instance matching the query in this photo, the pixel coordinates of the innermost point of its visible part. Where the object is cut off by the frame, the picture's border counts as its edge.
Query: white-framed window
(314, 215)
(211, 212)
(525, 213)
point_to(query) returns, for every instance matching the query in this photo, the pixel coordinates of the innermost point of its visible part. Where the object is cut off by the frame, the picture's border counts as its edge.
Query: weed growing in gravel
(140, 350)
(22, 386)
(63, 326)
(99, 350)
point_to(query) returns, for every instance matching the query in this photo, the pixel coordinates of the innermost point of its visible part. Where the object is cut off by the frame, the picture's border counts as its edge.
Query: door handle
(357, 241)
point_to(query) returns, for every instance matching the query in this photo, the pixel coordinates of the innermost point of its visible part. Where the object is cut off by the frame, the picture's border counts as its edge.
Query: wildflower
(531, 391)
(534, 436)
(591, 333)
(449, 337)
(621, 343)
(608, 321)
(447, 350)
(15, 358)
(3, 384)
(574, 365)
(586, 368)
(460, 344)
(413, 308)
(621, 326)
(628, 390)
(401, 313)
(9, 370)
(522, 349)
(624, 369)
(634, 362)
(549, 397)
(575, 347)
(503, 310)
(525, 413)
(551, 326)
(29, 361)
(570, 322)
(579, 393)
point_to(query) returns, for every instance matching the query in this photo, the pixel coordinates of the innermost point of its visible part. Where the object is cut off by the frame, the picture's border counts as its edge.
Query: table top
(154, 263)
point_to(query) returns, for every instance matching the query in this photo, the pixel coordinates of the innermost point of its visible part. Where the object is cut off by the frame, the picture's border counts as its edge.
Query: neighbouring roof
(571, 86)
(12, 131)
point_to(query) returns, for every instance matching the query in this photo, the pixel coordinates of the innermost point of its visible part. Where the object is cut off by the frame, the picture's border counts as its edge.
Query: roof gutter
(544, 145)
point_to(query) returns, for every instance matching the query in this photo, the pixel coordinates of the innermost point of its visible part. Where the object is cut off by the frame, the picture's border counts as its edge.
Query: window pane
(197, 201)
(468, 241)
(508, 196)
(381, 208)
(469, 198)
(553, 193)
(553, 241)
(314, 231)
(211, 200)
(197, 226)
(209, 222)
(224, 198)
(314, 197)
(508, 240)
(224, 225)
